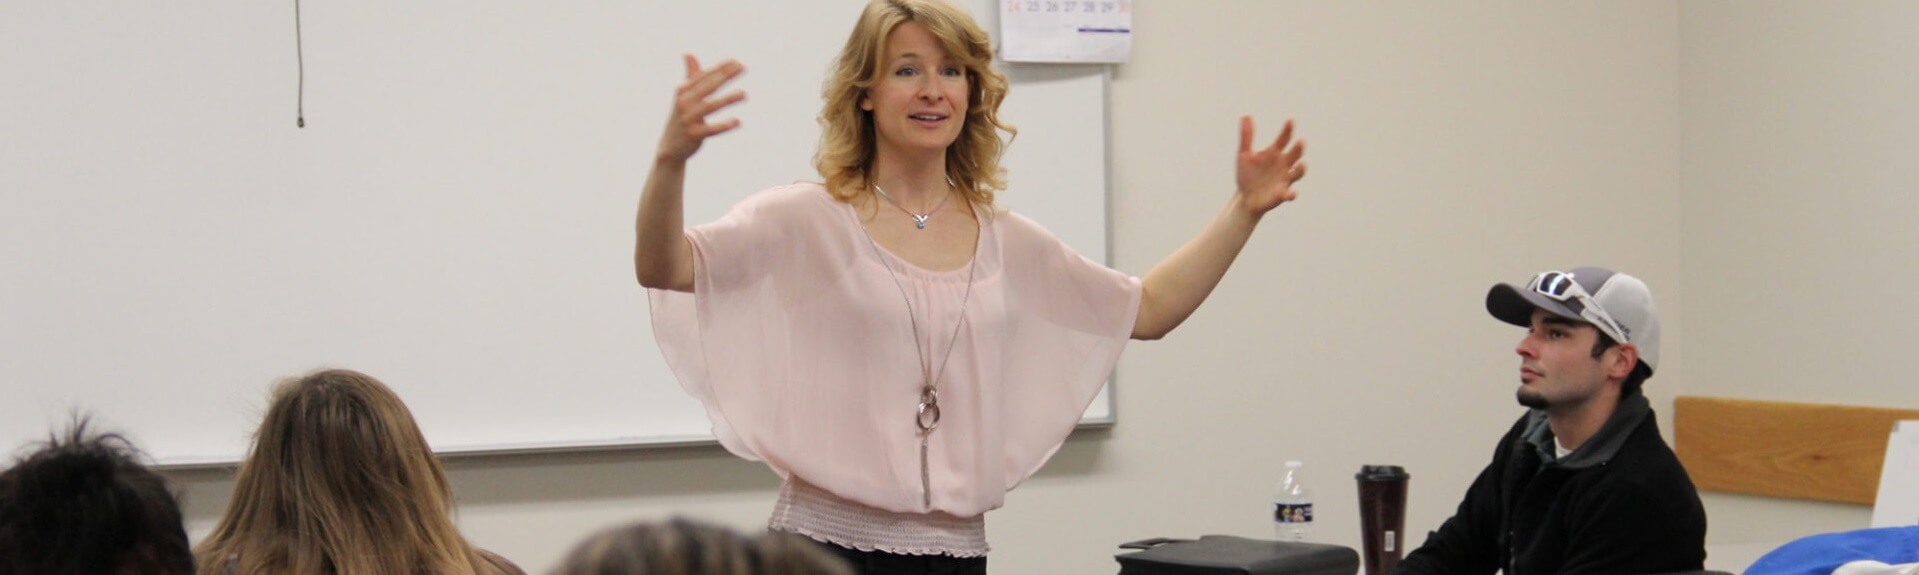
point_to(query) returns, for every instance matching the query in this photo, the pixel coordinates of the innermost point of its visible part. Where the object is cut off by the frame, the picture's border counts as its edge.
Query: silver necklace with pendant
(919, 219)
(926, 417)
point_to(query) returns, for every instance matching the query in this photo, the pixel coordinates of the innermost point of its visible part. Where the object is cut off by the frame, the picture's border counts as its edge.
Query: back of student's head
(339, 481)
(684, 547)
(83, 504)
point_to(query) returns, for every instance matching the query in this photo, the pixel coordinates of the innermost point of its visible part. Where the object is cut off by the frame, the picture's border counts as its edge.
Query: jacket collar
(1601, 447)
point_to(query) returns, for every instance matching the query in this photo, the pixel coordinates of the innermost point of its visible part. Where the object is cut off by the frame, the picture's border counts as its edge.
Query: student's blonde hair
(340, 481)
(684, 547)
(848, 141)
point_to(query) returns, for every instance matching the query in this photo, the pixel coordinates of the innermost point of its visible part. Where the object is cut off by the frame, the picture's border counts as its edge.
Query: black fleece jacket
(1619, 504)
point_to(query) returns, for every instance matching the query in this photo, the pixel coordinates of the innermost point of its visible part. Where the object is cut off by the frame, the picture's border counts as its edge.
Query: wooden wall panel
(1795, 450)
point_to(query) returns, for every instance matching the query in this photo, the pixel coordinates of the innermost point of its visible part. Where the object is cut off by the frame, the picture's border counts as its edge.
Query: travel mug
(1382, 516)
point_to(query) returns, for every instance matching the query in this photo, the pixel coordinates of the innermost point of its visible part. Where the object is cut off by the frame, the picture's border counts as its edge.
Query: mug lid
(1382, 473)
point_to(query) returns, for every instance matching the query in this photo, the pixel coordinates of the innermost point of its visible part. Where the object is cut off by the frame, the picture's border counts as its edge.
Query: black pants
(883, 563)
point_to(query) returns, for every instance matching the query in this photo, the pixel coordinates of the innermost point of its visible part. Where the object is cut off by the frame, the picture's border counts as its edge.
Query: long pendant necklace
(919, 219)
(927, 415)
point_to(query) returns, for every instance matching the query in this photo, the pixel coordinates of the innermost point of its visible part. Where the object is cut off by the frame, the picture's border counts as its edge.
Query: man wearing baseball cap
(1582, 483)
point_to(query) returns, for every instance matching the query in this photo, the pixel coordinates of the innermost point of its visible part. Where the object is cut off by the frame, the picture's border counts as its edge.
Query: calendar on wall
(1071, 31)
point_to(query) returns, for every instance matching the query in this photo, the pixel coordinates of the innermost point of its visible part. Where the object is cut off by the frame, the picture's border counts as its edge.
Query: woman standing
(901, 351)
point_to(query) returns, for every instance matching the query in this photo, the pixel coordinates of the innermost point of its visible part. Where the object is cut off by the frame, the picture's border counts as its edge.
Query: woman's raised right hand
(688, 127)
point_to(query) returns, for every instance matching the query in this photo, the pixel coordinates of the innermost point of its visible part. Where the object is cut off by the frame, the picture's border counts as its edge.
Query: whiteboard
(455, 218)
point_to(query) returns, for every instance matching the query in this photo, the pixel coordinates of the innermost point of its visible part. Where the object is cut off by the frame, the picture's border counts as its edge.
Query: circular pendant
(928, 417)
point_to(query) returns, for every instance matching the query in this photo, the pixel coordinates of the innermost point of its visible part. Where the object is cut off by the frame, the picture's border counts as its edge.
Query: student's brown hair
(340, 481)
(685, 547)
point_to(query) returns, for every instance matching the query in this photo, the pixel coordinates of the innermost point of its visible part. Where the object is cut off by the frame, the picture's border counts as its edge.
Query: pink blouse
(798, 342)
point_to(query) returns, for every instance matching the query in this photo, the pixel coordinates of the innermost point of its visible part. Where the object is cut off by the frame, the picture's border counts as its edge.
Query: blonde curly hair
(847, 137)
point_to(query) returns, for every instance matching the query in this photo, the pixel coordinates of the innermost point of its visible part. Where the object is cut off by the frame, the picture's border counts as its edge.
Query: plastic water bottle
(1293, 506)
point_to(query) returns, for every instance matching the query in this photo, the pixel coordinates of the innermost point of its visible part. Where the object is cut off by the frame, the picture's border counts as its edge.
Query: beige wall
(1453, 145)
(1800, 218)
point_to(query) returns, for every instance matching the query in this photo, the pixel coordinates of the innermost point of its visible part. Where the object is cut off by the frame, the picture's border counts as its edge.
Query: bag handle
(1151, 543)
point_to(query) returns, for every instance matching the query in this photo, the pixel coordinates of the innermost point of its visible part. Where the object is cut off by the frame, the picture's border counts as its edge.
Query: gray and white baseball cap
(1618, 304)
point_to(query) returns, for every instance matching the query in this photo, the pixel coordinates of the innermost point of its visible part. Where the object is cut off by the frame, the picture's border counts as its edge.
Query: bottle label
(1292, 513)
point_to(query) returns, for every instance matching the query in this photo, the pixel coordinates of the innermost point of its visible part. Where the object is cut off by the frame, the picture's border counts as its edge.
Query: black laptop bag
(1228, 555)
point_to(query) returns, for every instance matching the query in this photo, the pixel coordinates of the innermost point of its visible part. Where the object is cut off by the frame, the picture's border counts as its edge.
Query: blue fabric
(1820, 554)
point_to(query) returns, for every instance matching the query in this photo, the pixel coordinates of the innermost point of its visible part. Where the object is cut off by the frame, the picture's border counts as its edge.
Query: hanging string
(299, 53)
